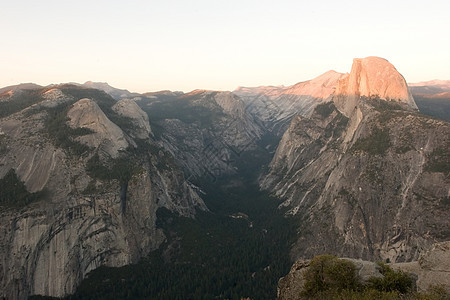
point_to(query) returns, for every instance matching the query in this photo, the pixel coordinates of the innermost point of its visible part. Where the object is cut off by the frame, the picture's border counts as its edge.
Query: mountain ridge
(358, 160)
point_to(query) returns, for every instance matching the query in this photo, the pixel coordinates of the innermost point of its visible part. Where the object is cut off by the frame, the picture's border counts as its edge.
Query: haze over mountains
(433, 97)
(95, 176)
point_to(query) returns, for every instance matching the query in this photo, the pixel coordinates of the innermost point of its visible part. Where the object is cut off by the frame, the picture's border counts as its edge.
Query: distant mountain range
(433, 97)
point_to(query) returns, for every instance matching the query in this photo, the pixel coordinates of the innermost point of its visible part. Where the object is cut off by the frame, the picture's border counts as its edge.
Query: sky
(217, 45)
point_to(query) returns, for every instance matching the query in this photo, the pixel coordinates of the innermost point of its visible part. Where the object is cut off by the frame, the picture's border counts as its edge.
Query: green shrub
(121, 168)
(439, 160)
(382, 105)
(366, 294)
(329, 277)
(376, 143)
(327, 272)
(434, 292)
(391, 281)
(3, 144)
(61, 134)
(22, 100)
(325, 109)
(13, 191)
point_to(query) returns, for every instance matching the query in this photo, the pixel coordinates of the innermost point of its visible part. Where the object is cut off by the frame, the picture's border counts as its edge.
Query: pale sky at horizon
(218, 45)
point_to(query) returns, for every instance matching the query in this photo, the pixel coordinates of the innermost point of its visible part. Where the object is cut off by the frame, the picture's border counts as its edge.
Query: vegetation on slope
(3, 144)
(13, 192)
(61, 134)
(183, 108)
(121, 168)
(219, 255)
(377, 143)
(435, 107)
(17, 103)
(325, 109)
(238, 249)
(329, 277)
(439, 161)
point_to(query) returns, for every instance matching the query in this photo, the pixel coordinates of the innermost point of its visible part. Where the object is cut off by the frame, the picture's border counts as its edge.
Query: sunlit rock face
(364, 172)
(275, 106)
(320, 87)
(374, 77)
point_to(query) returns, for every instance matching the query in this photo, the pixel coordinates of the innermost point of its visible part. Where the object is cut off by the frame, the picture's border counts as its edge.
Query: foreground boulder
(432, 269)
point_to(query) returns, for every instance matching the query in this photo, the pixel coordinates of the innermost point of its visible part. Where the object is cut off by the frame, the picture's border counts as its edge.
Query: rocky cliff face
(93, 209)
(137, 117)
(367, 180)
(204, 130)
(374, 77)
(275, 106)
(85, 113)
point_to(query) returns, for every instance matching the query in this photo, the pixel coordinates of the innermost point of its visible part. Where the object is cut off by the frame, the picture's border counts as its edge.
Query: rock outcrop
(85, 113)
(83, 219)
(241, 128)
(291, 285)
(432, 268)
(204, 130)
(372, 77)
(321, 87)
(375, 76)
(367, 180)
(138, 118)
(276, 105)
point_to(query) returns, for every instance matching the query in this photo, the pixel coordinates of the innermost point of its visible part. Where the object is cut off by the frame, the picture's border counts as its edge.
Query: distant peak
(435, 82)
(95, 83)
(323, 86)
(98, 85)
(22, 86)
(197, 92)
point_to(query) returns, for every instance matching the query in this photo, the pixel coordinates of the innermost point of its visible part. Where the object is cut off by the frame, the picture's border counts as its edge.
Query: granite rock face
(85, 113)
(375, 77)
(138, 118)
(275, 106)
(367, 180)
(85, 219)
(204, 130)
(432, 267)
